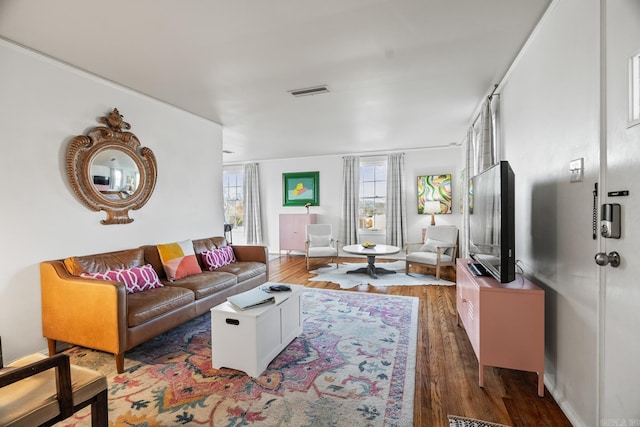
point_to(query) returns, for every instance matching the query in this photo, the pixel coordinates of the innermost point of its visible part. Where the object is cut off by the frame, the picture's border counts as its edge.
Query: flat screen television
(492, 221)
(100, 180)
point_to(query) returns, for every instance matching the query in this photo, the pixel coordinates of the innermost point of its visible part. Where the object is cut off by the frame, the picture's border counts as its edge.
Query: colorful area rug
(455, 421)
(346, 281)
(353, 365)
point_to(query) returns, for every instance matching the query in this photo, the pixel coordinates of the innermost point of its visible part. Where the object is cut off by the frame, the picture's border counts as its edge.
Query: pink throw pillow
(216, 258)
(136, 279)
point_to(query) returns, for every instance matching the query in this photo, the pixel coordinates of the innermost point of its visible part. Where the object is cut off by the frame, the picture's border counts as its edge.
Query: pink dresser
(504, 321)
(293, 230)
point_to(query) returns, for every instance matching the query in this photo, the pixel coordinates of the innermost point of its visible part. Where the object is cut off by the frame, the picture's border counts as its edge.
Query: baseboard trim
(564, 405)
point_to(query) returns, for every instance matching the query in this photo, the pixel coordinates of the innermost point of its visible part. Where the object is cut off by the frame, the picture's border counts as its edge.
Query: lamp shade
(432, 206)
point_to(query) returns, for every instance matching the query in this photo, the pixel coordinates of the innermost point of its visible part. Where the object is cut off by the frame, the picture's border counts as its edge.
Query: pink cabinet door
(469, 305)
(292, 230)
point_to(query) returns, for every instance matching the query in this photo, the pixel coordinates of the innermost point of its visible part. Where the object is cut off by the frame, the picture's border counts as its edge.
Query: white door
(620, 291)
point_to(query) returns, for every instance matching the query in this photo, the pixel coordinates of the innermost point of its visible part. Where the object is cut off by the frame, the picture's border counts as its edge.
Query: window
(232, 187)
(373, 194)
(117, 179)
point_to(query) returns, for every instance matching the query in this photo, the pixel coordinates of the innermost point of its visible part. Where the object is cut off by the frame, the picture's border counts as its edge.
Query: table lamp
(431, 207)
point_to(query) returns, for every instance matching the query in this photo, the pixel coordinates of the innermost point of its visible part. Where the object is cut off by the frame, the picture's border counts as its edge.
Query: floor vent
(310, 91)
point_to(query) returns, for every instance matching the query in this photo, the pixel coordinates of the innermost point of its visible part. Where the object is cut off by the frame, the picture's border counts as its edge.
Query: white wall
(550, 116)
(417, 163)
(43, 105)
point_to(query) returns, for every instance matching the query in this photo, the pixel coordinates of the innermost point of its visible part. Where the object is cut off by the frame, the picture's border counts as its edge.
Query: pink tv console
(504, 321)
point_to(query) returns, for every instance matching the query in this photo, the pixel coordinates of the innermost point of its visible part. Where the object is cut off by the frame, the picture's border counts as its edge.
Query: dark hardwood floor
(446, 366)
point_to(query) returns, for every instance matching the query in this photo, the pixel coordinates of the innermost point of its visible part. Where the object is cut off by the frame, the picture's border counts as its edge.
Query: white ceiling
(403, 74)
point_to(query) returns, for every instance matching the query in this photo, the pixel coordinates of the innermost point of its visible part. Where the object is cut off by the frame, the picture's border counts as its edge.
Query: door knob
(603, 259)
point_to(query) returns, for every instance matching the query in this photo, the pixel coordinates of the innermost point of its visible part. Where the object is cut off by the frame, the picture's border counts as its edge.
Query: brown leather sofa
(99, 314)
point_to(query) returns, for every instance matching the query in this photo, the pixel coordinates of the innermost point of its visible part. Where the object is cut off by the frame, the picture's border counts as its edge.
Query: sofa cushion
(244, 270)
(427, 257)
(216, 258)
(152, 256)
(145, 306)
(179, 259)
(32, 400)
(327, 251)
(319, 241)
(431, 245)
(207, 283)
(103, 262)
(207, 244)
(135, 279)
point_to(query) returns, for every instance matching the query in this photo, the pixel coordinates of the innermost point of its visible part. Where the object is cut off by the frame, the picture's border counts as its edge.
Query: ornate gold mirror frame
(109, 170)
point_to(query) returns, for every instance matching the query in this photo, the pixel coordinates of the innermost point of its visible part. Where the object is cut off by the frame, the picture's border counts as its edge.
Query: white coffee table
(371, 254)
(248, 340)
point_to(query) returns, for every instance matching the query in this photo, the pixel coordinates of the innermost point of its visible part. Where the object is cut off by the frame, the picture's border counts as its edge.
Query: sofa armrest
(256, 253)
(87, 312)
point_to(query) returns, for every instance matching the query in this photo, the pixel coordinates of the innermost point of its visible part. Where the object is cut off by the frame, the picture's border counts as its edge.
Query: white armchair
(438, 249)
(319, 243)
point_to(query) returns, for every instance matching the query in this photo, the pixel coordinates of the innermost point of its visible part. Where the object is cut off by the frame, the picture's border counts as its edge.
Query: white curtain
(482, 152)
(486, 155)
(468, 173)
(252, 217)
(396, 201)
(350, 200)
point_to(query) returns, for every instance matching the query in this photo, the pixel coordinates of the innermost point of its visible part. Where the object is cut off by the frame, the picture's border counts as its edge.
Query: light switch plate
(576, 170)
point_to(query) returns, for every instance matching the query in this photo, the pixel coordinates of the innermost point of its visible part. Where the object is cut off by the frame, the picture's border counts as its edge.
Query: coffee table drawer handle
(232, 322)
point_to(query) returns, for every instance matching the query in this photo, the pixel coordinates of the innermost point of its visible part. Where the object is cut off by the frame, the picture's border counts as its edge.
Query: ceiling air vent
(310, 91)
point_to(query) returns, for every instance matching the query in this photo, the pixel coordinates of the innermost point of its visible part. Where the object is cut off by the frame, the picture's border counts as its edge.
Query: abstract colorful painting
(434, 188)
(300, 188)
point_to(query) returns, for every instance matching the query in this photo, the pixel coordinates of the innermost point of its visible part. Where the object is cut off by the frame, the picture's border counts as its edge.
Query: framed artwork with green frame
(300, 188)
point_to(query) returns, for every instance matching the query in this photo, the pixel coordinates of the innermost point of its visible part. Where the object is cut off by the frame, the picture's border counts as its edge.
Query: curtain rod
(493, 92)
(491, 95)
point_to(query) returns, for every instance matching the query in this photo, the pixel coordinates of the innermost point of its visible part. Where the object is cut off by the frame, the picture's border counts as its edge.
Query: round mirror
(109, 170)
(114, 174)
